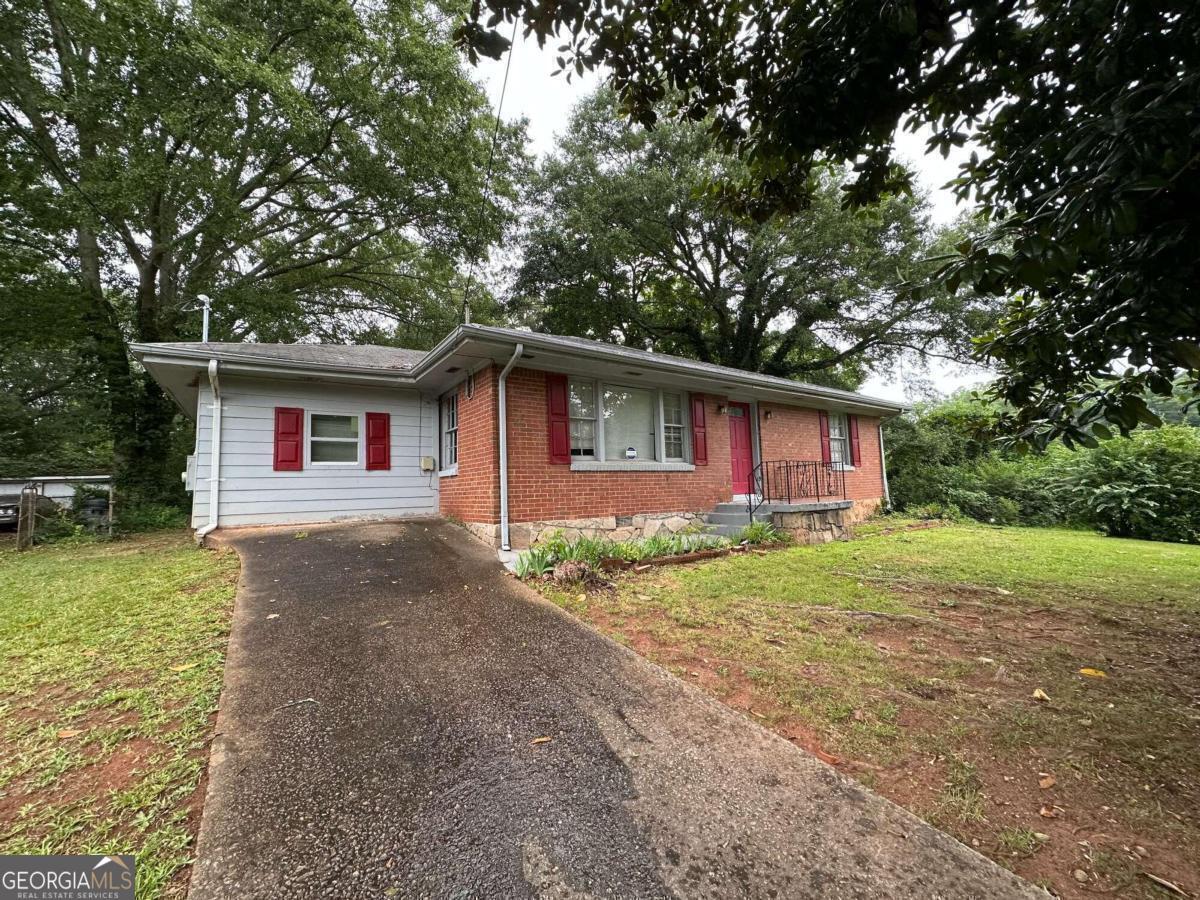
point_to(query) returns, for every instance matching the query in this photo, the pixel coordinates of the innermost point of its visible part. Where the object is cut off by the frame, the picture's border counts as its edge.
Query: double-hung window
(449, 420)
(618, 423)
(332, 439)
(583, 418)
(839, 440)
(674, 435)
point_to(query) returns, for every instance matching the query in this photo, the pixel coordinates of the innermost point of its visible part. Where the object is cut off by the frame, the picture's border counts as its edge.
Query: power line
(487, 180)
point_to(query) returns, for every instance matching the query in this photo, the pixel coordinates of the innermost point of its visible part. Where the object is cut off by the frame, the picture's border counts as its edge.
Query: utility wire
(487, 180)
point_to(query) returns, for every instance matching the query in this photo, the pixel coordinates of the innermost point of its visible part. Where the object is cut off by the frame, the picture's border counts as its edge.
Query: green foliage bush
(941, 464)
(542, 559)
(1145, 486)
(761, 533)
(150, 517)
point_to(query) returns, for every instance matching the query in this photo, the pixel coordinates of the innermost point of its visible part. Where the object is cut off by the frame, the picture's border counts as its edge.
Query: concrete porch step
(725, 530)
(734, 506)
(741, 517)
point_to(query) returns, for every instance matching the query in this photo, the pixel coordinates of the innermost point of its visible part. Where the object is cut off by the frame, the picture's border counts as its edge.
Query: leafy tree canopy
(317, 167)
(624, 241)
(1087, 118)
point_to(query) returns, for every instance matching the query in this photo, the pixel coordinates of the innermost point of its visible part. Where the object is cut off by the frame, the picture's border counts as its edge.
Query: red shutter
(699, 431)
(379, 441)
(823, 416)
(558, 414)
(855, 450)
(289, 438)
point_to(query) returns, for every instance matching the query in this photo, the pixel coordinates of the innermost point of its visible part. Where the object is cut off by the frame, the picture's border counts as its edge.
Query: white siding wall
(253, 493)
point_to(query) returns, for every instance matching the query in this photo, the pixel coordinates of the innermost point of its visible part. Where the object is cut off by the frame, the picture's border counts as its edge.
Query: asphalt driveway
(386, 695)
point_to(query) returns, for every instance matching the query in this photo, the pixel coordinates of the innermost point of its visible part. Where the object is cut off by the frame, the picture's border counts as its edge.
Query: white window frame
(685, 444)
(598, 462)
(595, 418)
(448, 468)
(308, 440)
(844, 459)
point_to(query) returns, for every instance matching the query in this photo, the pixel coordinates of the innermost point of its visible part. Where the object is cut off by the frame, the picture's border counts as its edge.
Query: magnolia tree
(1086, 115)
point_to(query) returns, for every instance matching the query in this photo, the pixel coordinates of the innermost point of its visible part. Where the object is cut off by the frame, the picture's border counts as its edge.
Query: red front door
(740, 455)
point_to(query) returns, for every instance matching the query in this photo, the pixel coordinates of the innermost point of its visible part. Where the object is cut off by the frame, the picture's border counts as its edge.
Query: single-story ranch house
(514, 433)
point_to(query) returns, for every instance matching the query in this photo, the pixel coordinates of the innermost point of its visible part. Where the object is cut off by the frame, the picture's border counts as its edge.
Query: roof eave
(743, 379)
(235, 362)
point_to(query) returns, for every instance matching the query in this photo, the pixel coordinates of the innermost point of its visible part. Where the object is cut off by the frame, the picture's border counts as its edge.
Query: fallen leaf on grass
(1046, 781)
(91, 652)
(541, 740)
(1041, 695)
(1093, 673)
(69, 733)
(183, 667)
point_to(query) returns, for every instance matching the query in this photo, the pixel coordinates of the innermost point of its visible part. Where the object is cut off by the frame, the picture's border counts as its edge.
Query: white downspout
(214, 466)
(502, 400)
(887, 495)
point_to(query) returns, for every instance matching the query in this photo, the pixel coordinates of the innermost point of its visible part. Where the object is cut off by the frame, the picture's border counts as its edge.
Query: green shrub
(534, 563)
(941, 465)
(150, 517)
(935, 511)
(590, 551)
(760, 533)
(1145, 486)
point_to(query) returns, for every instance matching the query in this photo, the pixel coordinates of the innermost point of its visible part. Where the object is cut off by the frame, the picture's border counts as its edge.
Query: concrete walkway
(385, 693)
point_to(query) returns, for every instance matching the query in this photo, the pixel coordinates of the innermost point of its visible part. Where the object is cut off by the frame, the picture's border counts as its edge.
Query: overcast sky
(545, 99)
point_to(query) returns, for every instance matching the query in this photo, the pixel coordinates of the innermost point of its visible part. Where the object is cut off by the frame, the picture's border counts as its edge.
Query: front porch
(806, 498)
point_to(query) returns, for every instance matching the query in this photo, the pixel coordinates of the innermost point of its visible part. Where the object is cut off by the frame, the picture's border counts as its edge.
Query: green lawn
(111, 659)
(910, 660)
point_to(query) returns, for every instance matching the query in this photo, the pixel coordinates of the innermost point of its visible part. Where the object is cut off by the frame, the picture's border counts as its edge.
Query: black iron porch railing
(795, 481)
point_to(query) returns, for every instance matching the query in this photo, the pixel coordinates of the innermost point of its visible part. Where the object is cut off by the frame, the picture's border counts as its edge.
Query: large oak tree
(624, 240)
(317, 167)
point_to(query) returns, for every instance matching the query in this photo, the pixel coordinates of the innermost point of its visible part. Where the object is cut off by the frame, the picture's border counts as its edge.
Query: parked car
(10, 508)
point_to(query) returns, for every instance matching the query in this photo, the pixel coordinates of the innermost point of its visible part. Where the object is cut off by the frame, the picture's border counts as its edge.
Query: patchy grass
(111, 660)
(910, 658)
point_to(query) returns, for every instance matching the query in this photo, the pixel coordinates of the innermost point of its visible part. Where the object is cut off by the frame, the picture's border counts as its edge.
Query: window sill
(647, 465)
(449, 473)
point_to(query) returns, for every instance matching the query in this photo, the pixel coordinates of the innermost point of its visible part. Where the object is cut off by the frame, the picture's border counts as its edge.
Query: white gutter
(502, 400)
(214, 467)
(887, 495)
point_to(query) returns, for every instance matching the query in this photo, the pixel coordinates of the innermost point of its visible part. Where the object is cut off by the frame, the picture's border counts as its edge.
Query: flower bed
(585, 556)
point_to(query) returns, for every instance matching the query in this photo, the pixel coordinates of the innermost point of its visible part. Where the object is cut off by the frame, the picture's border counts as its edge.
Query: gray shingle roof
(634, 355)
(367, 356)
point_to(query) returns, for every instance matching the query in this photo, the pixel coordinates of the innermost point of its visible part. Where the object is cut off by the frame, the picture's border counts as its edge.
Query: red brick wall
(473, 495)
(540, 490)
(794, 432)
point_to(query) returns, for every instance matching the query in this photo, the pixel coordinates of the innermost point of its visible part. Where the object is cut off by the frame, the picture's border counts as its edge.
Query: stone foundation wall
(822, 525)
(615, 528)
